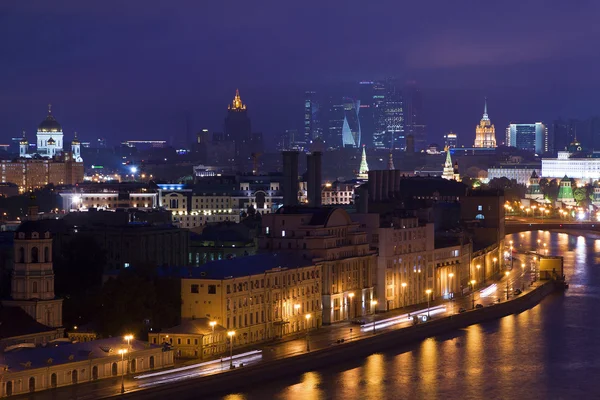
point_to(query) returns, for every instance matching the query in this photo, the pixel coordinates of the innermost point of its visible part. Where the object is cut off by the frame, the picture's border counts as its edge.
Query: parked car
(359, 321)
(478, 305)
(462, 310)
(517, 292)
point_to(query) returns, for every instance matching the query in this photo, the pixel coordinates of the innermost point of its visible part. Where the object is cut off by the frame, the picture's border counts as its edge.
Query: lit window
(282, 233)
(479, 208)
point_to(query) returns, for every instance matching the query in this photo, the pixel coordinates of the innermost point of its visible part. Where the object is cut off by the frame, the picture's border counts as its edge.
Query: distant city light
(133, 170)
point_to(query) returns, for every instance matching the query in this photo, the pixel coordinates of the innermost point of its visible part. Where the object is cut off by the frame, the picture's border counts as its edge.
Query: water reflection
(550, 351)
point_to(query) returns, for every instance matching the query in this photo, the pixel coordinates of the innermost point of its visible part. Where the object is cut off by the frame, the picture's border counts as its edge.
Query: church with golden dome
(485, 132)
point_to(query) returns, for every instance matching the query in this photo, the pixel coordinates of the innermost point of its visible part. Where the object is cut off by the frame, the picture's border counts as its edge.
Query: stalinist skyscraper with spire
(485, 132)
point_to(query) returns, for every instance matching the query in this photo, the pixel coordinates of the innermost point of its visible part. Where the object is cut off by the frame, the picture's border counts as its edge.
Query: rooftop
(237, 267)
(39, 357)
(198, 326)
(14, 321)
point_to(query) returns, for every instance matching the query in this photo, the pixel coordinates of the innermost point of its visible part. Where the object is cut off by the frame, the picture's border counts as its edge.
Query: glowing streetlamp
(351, 296)
(307, 316)
(507, 274)
(374, 304)
(231, 334)
(403, 284)
(428, 291)
(297, 308)
(472, 282)
(212, 325)
(122, 352)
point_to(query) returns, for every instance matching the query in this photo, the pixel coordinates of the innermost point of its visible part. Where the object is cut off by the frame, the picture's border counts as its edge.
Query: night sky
(131, 69)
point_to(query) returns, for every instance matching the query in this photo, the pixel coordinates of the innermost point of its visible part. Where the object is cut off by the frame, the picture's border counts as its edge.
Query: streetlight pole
(428, 291)
(231, 334)
(403, 284)
(129, 338)
(374, 304)
(507, 274)
(473, 291)
(212, 325)
(122, 352)
(451, 275)
(307, 341)
(351, 296)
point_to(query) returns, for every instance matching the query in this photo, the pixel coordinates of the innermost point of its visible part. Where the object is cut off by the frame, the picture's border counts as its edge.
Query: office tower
(394, 115)
(451, 140)
(366, 114)
(410, 144)
(351, 134)
(238, 128)
(562, 134)
(485, 132)
(528, 137)
(380, 138)
(415, 119)
(336, 124)
(290, 178)
(312, 117)
(313, 162)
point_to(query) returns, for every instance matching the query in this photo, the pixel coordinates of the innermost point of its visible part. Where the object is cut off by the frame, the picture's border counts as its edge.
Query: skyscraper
(312, 117)
(336, 124)
(485, 132)
(367, 108)
(351, 134)
(451, 140)
(394, 115)
(380, 138)
(528, 137)
(415, 119)
(238, 128)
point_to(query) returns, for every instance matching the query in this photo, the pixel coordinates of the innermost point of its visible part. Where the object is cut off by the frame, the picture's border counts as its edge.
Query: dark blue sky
(130, 69)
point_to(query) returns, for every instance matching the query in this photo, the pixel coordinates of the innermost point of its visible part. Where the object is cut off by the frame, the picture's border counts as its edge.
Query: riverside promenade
(328, 344)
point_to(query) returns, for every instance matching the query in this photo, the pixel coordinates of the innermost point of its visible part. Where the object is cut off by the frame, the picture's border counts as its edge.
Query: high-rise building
(238, 127)
(485, 132)
(528, 137)
(312, 117)
(415, 119)
(366, 114)
(451, 140)
(380, 138)
(351, 134)
(394, 115)
(335, 125)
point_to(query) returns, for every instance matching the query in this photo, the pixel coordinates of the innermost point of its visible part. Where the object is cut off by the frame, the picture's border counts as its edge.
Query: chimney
(313, 162)
(290, 178)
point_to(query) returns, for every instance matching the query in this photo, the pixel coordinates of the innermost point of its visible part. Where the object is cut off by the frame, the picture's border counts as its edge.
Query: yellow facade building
(33, 173)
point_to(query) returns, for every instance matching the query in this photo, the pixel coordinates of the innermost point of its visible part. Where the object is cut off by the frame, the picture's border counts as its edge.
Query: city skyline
(98, 88)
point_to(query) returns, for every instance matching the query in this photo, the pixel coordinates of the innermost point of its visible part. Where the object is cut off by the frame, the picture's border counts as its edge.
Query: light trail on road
(384, 323)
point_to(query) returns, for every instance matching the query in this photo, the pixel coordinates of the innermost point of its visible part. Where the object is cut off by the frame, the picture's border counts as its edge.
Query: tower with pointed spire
(363, 170)
(23, 145)
(76, 149)
(450, 170)
(485, 132)
(238, 129)
(391, 162)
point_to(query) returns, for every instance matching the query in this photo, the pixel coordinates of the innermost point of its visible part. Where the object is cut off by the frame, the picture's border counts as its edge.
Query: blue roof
(60, 353)
(238, 267)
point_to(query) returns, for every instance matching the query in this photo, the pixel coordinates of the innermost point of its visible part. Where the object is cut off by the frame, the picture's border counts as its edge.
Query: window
(212, 289)
(479, 216)
(282, 233)
(195, 289)
(479, 208)
(34, 255)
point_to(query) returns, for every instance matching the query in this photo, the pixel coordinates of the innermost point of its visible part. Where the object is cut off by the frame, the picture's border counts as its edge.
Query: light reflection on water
(551, 351)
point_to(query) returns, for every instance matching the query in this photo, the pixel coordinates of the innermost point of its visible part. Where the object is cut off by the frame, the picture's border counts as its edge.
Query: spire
(391, 162)
(448, 163)
(24, 139)
(237, 104)
(485, 112)
(49, 109)
(363, 170)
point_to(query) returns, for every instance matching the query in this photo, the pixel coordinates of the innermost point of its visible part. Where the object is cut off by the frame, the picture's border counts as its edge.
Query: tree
(580, 194)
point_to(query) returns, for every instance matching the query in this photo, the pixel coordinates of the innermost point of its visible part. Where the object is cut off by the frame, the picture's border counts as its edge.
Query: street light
(403, 284)
(451, 275)
(428, 291)
(473, 291)
(507, 274)
(129, 338)
(122, 352)
(231, 334)
(212, 325)
(297, 307)
(374, 304)
(307, 316)
(351, 296)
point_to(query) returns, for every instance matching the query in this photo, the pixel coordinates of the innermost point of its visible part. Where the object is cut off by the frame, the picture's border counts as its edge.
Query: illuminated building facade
(312, 117)
(485, 132)
(451, 140)
(394, 116)
(351, 133)
(29, 173)
(528, 137)
(329, 238)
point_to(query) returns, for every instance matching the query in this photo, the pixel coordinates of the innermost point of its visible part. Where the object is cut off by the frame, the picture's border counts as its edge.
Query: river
(551, 351)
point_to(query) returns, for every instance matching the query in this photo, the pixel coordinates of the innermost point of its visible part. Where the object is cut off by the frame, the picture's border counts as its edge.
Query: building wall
(520, 174)
(586, 169)
(38, 379)
(31, 174)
